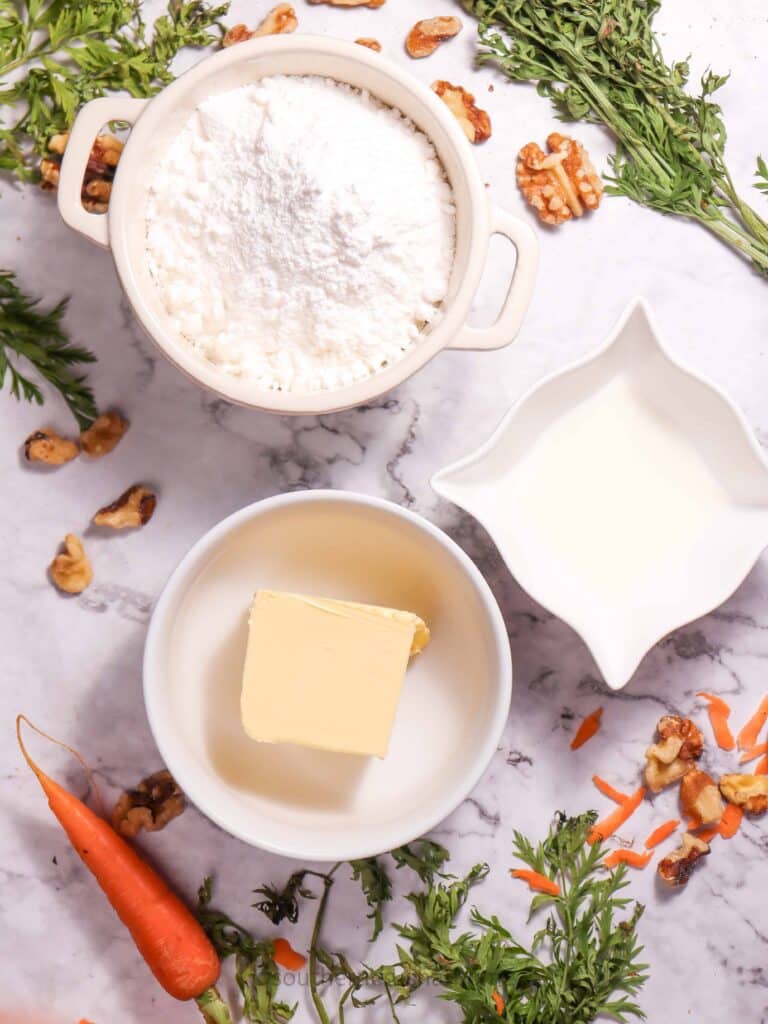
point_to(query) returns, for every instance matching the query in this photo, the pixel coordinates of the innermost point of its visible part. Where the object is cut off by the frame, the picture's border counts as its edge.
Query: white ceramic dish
(156, 120)
(690, 572)
(308, 803)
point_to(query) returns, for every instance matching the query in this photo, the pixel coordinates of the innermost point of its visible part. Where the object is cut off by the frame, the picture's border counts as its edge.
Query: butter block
(326, 674)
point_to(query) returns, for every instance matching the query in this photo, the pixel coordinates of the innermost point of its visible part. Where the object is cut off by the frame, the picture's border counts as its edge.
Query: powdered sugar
(300, 232)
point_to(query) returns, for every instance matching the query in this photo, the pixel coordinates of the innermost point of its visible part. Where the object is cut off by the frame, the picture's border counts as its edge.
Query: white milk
(611, 488)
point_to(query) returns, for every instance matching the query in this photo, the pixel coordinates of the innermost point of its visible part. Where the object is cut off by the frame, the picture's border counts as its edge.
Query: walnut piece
(475, 123)
(155, 801)
(71, 571)
(99, 171)
(700, 798)
(372, 44)
(49, 447)
(351, 3)
(670, 759)
(425, 36)
(747, 791)
(675, 869)
(134, 507)
(280, 20)
(561, 183)
(104, 434)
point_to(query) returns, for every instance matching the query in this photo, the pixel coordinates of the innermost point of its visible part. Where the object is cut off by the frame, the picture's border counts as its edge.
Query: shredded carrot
(762, 768)
(631, 857)
(719, 713)
(730, 821)
(170, 939)
(498, 1002)
(607, 790)
(538, 882)
(748, 735)
(708, 834)
(587, 729)
(609, 824)
(286, 956)
(661, 833)
(757, 751)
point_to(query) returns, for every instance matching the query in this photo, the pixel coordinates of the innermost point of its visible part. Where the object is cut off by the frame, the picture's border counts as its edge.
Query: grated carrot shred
(607, 790)
(587, 729)
(498, 1002)
(762, 768)
(730, 821)
(631, 857)
(757, 751)
(286, 956)
(608, 825)
(748, 735)
(537, 881)
(708, 834)
(661, 833)
(719, 713)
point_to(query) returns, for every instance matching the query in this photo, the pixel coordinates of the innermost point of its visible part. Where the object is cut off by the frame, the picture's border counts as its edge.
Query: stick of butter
(324, 673)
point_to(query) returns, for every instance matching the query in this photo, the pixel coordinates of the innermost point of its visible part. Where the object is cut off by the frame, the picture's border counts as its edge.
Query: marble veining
(74, 665)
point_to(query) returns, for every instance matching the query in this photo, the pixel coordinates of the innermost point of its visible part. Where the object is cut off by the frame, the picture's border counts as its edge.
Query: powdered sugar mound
(300, 232)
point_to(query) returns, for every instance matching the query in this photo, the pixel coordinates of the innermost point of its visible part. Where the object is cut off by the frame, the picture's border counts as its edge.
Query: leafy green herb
(37, 336)
(56, 55)
(377, 889)
(256, 973)
(583, 962)
(602, 63)
(283, 904)
(762, 174)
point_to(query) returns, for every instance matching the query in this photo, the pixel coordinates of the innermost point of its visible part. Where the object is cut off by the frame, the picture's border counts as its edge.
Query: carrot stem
(631, 857)
(607, 790)
(213, 1008)
(587, 729)
(607, 826)
(730, 821)
(537, 881)
(749, 733)
(661, 833)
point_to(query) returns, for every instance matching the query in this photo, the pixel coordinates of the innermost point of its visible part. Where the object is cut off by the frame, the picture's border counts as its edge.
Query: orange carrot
(708, 834)
(762, 768)
(631, 857)
(607, 790)
(587, 729)
(661, 833)
(538, 882)
(498, 1002)
(171, 941)
(757, 751)
(748, 735)
(286, 956)
(719, 713)
(609, 824)
(730, 821)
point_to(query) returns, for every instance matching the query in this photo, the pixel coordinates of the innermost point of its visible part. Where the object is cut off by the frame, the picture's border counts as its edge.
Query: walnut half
(700, 798)
(71, 571)
(279, 21)
(134, 507)
(49, 447)
(675, 869)
(747, 791)
(680, 744)
(561, 183)
(151, 805)
(104, 434)
(425, 36)
(475, 123)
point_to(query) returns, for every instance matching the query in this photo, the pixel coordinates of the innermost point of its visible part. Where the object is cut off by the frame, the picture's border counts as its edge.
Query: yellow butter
(324, 673)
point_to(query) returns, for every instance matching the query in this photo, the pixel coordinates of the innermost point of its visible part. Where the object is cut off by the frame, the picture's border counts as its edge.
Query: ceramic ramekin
(156, 121)
(315, 804)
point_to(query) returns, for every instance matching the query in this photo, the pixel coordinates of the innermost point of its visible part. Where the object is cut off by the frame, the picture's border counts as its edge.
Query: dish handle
(520, 290)
(92, 117)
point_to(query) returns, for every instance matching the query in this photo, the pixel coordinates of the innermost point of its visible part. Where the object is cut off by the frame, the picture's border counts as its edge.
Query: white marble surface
(75, 665)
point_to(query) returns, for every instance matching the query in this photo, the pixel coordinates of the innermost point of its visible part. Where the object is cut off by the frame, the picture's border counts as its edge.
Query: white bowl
(682, 574)
(307, 803)
(157, 120)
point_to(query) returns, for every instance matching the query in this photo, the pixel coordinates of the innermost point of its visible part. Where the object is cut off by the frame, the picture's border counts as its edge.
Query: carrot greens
(582, 963)
(603, 63)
